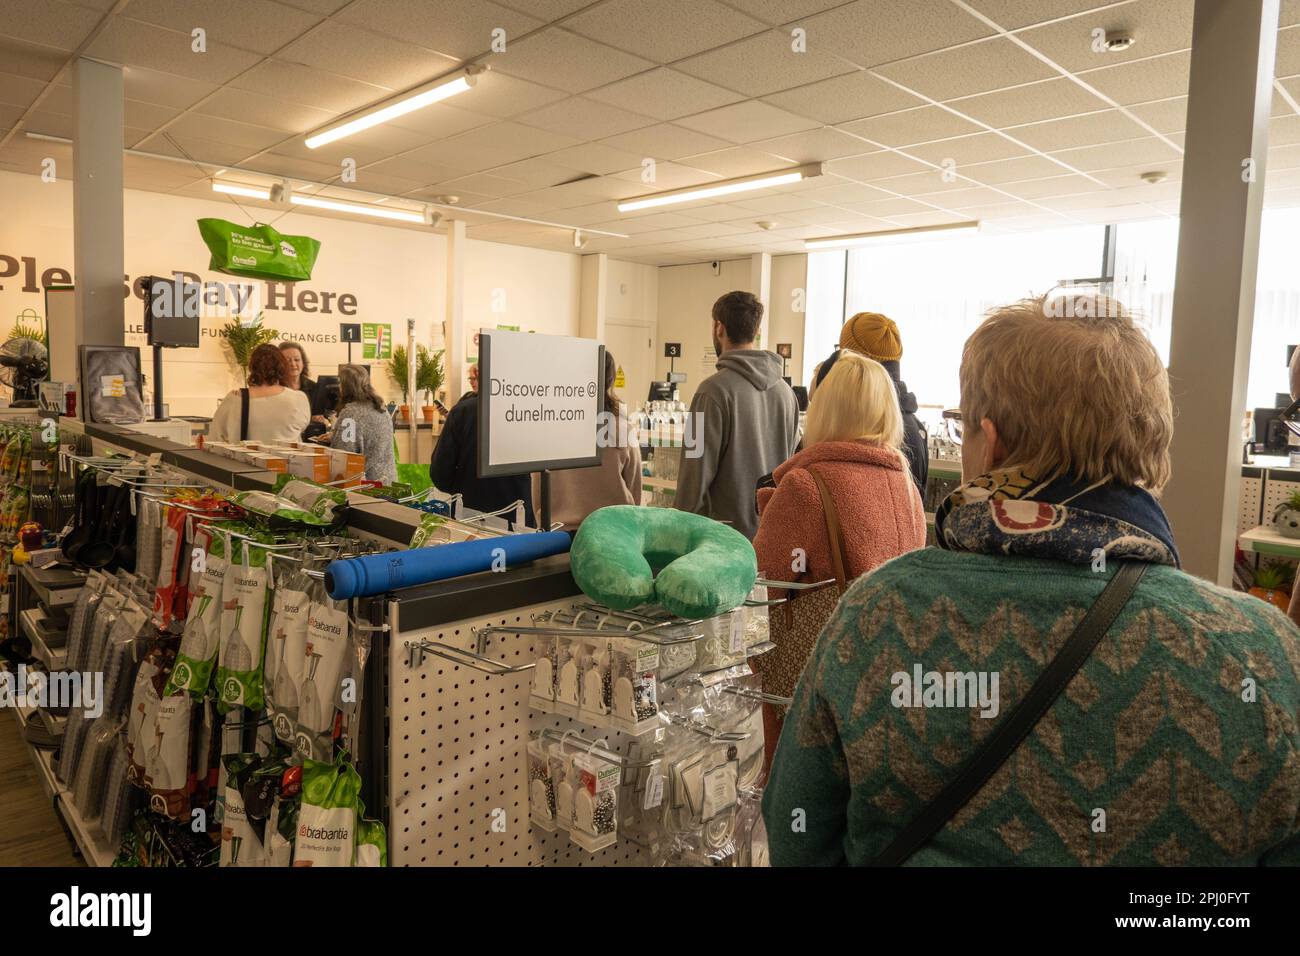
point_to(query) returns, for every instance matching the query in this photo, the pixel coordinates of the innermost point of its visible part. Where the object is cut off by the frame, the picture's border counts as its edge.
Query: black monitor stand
(157, 385)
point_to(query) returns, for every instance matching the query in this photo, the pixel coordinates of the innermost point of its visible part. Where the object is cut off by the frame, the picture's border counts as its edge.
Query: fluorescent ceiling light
(252, 192)
(392, 108)
(377, 211)
(741, 185)
(891, 236)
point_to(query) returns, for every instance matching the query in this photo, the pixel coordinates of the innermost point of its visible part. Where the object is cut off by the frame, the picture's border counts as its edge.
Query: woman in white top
(275, 413)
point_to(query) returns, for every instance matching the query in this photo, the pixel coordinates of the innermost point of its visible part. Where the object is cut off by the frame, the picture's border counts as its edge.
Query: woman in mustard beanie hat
(876, 336)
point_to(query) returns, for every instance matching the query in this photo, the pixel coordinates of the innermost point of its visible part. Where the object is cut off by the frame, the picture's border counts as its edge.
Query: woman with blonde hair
(841, 506)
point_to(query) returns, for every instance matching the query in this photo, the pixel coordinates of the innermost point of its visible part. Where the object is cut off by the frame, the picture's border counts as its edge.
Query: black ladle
(99, 552)
(79, 536)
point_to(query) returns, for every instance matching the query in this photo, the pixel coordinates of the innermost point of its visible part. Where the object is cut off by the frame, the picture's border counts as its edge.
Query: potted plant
(1286, 517)
(398, 371)
(242, 339)
(428, 377)
(1273, 582)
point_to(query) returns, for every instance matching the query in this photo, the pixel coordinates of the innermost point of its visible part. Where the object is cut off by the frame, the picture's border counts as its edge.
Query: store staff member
(454, 468)
(299, 372)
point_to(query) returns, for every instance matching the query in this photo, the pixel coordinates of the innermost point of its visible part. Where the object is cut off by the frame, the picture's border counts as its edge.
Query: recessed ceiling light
(726, 187)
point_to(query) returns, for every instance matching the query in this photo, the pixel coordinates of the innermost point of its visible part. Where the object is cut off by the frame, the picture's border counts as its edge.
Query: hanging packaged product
(241, 839)
(258, 251)
(593, 706)
(126, 643)
(327, 819)
(595, 802)
(81, 620)
(198, 652)
(150, 680)
(320, 500)
(286, 651)
(541, 788)
(167, 770)
(244, 610)
(564, 779)
(568, 674)
(542, 695)
(372, 841)
(148, 537)
(277, 513)
(169, 602)
(634, 696)
(325, 658)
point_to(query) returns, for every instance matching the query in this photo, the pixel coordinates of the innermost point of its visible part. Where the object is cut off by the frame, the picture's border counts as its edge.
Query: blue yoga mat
(380, 573)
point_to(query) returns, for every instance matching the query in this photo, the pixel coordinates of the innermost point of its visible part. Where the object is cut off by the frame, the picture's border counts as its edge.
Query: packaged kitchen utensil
(141, 722)
(542, 695)
(258, 251)
(327, 820)
(593, 706)
(286, 651)
(321, 500)
(167, 770)
(326, 657)
(568, 674)
(595, 802)
(197, 657)
(241, 841)
(634, 695)
(169, 601)
(372, 842)
(541, 789)
(244, 609)
(277, 513)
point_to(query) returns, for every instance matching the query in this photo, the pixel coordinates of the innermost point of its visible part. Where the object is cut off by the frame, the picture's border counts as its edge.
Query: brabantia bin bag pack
(258, 251)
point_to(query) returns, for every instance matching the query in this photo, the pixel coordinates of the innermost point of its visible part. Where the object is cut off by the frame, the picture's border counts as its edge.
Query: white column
(760, 283)
(97, 202)
(591, 303)
(1229, 95)
(455, 329)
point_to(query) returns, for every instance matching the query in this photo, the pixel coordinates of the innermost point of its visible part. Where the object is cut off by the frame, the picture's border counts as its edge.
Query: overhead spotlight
(1154, 176)
(579, 240)
(431, 218)
(1118, 41)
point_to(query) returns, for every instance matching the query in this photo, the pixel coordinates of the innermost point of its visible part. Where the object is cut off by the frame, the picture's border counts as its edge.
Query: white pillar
(760, 283)
(97, 203)
(455, 328)
(592, 303)
(1229, 95)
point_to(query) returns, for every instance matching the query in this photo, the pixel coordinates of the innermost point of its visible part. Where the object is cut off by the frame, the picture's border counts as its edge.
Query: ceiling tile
(971, 196)
(457, 28)
(1115, 155)
(539, 173)
(665, 30)
(1002, 210)
(737, 161)
(50, 23)
(666, 176)
(199, 126)
(1166, 116)
(503, 97)
(136, 44)
(720, 212)
(788, 202)
(547, 10)
(664, 94)
(1013, 14)
(496, 145)
(665, 141)
(273, 113)
(936, 218)
(887, 208)
(841, 192)
(310, 87)
(565, 60)
(294, 166)
(1157, 78)
(482, 183)
(1032, 103)
(930, 183)
(1157, 26)
(367, 56)
(1131, 175)
(748, 122)
(1283, 157)
(19, 90)
(29, 59)
(1013, 170)
(586, 191)
(259, 25)
(658, 220)
(1284, 131)
(877, 166)
(1067, 185)
(210, 151)
(585, 119)
(966, 70)
(842, 98)
(372, 181)
(594, 158)
(1107, 126)
(965, 150)
(872, 32)
(777, 12)
(763, 64)
(816, 146)
(1288, 52)
(923, 125)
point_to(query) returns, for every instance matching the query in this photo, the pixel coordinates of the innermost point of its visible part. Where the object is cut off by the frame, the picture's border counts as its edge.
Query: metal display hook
(568, 738)
(751, 694)
(416, 650)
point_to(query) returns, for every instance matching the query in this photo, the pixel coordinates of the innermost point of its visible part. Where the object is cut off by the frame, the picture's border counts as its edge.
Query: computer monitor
(171, 312)
(662, 392)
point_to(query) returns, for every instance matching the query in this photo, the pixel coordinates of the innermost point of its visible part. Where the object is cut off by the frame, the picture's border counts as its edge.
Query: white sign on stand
(539, 398)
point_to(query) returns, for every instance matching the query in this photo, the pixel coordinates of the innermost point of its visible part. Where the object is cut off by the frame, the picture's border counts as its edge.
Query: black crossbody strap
(243, 414)
(1000, 744)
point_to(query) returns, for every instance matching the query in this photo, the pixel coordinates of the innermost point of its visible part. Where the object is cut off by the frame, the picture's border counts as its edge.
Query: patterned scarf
(1007, 512)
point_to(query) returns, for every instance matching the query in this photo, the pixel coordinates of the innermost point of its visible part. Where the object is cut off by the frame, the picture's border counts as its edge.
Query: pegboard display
(458, 782)
(1250, 505)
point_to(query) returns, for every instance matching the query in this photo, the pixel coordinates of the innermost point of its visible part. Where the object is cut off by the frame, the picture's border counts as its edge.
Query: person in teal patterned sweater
(1176, 743)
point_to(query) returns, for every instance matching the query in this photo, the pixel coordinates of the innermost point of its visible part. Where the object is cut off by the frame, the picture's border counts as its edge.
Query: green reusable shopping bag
(258, 251)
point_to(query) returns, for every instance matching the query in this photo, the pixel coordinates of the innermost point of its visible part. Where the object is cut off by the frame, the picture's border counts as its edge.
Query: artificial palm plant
(243, 339)
(428, 375)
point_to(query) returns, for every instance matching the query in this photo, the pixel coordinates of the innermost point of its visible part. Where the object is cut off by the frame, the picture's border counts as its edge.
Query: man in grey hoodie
(746, 419)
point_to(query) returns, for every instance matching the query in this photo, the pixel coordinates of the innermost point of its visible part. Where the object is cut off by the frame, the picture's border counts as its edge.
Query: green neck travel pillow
(704, 567)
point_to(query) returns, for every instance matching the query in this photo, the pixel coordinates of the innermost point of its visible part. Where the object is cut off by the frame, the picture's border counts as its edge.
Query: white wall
(686, 297)
(393, 274)
(631, 324)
